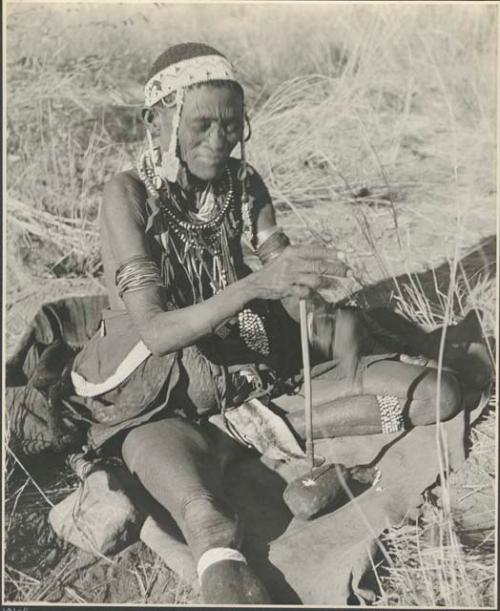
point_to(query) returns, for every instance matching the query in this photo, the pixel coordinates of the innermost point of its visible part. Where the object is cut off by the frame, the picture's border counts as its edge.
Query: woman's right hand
(297, 271)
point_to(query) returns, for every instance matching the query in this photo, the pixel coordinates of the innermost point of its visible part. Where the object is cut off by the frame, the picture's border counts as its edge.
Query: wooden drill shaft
(307, 381)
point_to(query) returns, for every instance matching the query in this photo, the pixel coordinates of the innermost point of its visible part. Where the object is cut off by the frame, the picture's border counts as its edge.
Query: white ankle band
(217, 554)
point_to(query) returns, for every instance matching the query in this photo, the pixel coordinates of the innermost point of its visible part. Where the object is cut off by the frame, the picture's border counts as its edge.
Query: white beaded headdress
(174, 78)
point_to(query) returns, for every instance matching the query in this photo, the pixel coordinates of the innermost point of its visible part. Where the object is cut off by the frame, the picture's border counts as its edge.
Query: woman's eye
(232, 127)
(202, 126)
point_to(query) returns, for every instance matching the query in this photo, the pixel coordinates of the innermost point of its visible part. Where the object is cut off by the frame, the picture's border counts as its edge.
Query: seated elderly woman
(188, 320)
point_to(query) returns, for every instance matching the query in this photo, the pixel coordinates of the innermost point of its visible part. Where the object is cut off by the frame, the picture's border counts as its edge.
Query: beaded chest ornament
(204, 235)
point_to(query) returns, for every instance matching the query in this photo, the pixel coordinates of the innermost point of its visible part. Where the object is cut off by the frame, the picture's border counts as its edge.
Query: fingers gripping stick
(325, 262)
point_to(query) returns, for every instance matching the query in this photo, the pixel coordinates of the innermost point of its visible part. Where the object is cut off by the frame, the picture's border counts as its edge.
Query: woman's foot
(226, 578)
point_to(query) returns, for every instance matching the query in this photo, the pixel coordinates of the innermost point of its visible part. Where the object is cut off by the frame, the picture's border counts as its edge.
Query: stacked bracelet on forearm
(136, 273)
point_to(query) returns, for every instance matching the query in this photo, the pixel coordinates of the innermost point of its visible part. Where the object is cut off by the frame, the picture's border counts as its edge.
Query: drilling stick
(307, 381)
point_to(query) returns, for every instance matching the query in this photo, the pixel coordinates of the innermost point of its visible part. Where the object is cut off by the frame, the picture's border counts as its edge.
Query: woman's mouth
(212, 159)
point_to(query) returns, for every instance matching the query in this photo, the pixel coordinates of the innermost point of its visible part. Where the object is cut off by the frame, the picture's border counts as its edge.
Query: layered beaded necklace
(190, 230)
(205, 234)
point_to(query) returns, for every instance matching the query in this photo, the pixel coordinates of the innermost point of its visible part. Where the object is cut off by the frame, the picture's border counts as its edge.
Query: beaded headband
(175, 78)
(187, 72)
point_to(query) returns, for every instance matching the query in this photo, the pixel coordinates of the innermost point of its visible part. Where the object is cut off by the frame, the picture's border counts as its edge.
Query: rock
(316, 492)
(98, 517)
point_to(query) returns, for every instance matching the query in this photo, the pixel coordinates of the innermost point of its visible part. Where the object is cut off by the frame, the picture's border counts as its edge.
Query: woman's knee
(169, 441)
(449, 396)
(133, 446)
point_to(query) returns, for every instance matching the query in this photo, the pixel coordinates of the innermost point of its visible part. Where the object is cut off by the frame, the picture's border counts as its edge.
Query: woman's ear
(246, 121)
(151, 120)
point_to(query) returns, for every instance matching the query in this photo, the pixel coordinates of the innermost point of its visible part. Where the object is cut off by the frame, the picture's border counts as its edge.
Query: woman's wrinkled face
(210, 126)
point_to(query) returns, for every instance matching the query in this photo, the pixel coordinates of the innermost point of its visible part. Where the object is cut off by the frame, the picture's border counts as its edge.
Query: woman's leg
(175, 463)
(411, 389)
(178, 465)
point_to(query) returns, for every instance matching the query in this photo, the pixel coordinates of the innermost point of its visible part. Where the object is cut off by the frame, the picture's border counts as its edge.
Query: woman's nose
(217, 138)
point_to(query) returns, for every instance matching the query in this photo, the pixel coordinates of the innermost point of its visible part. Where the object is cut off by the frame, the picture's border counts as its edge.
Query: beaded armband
(271, 245)
(391, 416)
(137, 273)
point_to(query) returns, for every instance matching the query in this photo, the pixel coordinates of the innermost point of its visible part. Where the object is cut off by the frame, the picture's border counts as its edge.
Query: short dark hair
(177, 53)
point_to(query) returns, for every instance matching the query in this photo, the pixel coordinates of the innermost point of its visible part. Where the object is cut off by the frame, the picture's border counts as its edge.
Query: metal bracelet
(137, 273)
(273, 246)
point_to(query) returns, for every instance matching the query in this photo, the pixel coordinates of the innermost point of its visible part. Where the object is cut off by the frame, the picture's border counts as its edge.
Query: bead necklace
(201, 226)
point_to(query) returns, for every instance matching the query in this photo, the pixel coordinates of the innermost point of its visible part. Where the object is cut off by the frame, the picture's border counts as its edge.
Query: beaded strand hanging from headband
(246, 205)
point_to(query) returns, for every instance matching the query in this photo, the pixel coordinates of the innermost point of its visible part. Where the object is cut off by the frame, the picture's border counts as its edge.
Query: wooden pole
(304, 336)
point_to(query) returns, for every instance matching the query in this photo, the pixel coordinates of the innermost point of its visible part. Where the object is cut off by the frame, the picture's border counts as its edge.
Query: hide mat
(325, 561)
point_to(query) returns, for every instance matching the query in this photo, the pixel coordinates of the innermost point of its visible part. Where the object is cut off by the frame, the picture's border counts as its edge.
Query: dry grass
(373, 127)
(361, 105)
(432, 569)
(449, 559)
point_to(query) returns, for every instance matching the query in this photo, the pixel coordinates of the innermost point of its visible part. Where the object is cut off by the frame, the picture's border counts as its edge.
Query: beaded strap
(253, 331)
